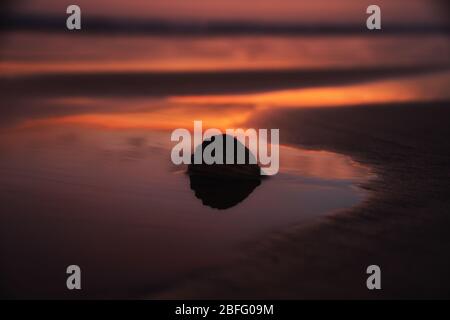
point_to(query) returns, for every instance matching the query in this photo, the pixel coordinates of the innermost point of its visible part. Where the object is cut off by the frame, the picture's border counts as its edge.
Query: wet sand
(104, 195)
(403, 226)
(112, 202)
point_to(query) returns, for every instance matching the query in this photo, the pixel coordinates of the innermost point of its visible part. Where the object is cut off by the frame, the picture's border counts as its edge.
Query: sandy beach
(88, 117)
(402, 226)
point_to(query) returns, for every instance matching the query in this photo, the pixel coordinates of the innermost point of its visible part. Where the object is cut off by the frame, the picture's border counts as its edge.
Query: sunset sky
(163, 64)
(322, 11)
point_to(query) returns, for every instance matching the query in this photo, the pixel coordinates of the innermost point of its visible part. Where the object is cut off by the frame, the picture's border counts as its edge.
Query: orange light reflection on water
(379, 92)
(160, 120)
(232, 111)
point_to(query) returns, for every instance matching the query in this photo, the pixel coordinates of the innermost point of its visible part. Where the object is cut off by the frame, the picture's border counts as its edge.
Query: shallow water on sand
(113, 203)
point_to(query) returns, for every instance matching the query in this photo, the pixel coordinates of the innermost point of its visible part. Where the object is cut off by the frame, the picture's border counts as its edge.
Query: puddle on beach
(114, 204)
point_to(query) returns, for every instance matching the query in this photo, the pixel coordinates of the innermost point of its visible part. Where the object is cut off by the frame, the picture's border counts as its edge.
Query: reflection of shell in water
(222, 186)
